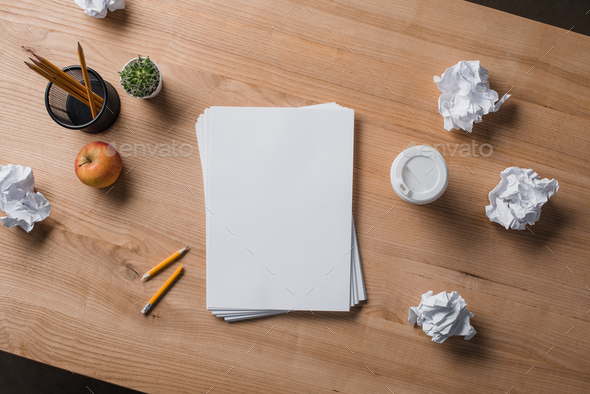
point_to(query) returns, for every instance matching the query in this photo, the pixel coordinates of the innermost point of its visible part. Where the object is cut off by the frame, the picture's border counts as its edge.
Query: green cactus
(141, 77)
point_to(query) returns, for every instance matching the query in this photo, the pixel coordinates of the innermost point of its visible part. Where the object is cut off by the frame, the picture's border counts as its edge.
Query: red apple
(98, 165)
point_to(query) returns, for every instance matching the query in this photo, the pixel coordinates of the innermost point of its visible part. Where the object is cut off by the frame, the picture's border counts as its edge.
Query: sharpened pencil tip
(181, 251)
(38, 57)
(79, 46)
(145, 276)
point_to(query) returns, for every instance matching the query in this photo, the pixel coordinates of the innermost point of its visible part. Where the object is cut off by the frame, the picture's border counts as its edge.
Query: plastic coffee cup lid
(419, 175)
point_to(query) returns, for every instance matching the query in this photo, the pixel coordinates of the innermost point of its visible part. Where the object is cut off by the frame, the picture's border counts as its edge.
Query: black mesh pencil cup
(71, 113)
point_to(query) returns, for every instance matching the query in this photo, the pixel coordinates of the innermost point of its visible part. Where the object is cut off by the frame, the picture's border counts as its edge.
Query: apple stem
(86, 161)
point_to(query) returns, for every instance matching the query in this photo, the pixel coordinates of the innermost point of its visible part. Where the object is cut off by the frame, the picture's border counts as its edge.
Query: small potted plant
(141, 78)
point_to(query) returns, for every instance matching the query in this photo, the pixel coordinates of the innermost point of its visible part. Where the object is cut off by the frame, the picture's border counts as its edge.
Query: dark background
(560, 13)
(20, 375)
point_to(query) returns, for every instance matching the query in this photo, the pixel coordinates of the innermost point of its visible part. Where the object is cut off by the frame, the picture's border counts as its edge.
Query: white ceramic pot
(158, 89)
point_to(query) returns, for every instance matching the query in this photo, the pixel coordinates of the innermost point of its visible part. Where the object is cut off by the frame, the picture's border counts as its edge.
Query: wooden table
(70, 293)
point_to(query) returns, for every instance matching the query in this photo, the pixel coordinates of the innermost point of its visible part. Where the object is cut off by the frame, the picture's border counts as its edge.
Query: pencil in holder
(69, 112)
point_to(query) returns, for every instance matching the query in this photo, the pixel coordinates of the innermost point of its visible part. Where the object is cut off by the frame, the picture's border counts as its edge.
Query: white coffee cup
(419, 175)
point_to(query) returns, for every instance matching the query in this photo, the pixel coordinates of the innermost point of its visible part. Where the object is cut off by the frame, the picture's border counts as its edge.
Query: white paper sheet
(18, 199)
(270, 218)
(357, 285)
(357, 289)
(442, 316)
(519, 197)
(98, 8)
(466, 95)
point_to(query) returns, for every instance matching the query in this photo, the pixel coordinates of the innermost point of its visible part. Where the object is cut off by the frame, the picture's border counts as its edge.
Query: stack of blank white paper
(278, 196)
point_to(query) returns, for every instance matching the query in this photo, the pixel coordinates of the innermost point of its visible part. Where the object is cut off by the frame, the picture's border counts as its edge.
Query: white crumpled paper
(518, 198)
(18, 199)
(442, 316)
(98, 8)
(466, 95)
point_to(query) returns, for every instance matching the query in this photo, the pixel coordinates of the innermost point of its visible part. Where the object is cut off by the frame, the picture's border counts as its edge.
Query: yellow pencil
(159, 293)
(163, 264)
(88, 87)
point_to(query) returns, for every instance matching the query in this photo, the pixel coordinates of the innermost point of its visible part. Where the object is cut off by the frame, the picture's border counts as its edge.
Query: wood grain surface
(70, 294)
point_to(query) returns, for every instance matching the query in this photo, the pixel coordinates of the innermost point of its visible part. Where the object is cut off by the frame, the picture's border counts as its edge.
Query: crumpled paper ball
(466, 95)
(442, 316)
(18, 199)
(98, 8)
(518, 198)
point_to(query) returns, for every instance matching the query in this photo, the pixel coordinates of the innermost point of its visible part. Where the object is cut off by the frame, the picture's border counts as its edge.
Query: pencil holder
(71, 113)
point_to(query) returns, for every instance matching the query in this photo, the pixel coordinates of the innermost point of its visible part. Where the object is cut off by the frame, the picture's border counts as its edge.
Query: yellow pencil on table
(163, 264)
(159, 293)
